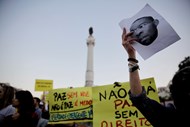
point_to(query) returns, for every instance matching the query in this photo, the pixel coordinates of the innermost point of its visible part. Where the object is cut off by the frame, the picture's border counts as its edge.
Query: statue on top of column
(90, 30)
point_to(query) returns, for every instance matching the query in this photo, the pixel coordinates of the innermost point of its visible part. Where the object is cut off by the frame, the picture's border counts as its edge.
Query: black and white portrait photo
(151, 31)
(145, 30)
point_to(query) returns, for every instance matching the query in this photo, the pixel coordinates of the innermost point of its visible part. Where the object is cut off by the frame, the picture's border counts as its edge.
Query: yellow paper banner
(43, 85)
(113, 108)
(70, 105)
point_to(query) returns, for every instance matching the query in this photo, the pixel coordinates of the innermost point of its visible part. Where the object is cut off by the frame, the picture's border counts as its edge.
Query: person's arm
(134, 78)
(152, 110)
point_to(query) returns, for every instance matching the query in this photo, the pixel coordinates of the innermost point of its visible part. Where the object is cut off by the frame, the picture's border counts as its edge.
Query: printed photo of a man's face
(145, 30)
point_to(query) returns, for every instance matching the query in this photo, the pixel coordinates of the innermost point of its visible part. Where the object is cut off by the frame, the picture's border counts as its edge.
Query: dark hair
(181, 80)
(8, 95)
(184, 63)
(180, 85)
(26, 101)
(26, 109)
(37, 99)
(145, 17)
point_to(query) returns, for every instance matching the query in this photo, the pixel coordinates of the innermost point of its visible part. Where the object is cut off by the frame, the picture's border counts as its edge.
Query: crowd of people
(19, 108)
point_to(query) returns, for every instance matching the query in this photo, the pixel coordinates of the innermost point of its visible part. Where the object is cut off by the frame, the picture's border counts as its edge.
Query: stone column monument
(89, 72)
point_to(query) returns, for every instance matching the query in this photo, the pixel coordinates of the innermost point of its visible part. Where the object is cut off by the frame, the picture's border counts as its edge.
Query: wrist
(132, 60)
(133, 64)
(133, 67)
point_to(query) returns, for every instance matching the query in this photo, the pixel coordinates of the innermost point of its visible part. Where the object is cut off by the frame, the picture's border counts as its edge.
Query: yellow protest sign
(113, 108)
(43, 85)
(70, 105)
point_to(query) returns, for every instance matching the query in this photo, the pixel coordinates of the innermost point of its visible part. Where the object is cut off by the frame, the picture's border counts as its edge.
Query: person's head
(145, 30)
(6, 94)
(24, 101)
(180, 87)
(37, 101)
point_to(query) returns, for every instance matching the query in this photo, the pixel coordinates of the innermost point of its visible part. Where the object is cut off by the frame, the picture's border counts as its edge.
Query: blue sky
(46, 39)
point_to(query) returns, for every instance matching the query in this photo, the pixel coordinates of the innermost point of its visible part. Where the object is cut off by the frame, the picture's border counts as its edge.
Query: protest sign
(70, 105)
(113, 108)
(43, 85)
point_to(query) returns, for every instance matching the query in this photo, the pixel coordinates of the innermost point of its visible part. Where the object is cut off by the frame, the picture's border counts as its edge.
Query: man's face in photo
(145, 30)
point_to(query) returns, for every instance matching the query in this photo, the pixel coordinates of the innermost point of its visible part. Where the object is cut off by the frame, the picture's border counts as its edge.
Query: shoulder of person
(9, 110)
(42, 122)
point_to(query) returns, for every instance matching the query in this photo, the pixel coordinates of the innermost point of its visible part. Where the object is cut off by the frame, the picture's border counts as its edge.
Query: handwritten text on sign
(116, 108)
(70, 104)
